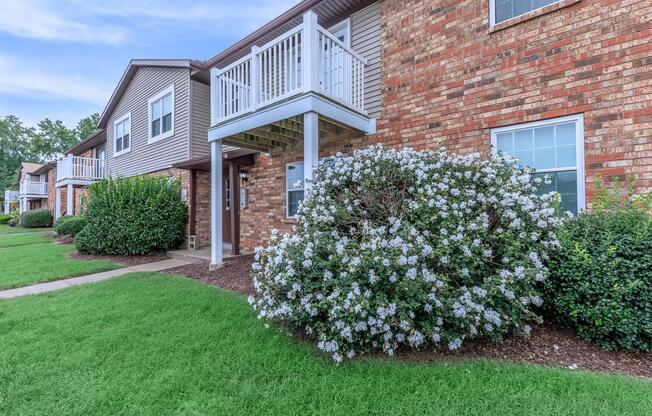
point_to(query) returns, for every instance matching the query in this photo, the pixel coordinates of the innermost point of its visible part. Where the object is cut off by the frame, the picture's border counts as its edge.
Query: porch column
(216, 205)
(310, 147)
(57, 203)
(69, 197)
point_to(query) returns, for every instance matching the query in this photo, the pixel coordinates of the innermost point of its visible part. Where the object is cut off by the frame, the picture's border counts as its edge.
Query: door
(333, 61)
(100, 153)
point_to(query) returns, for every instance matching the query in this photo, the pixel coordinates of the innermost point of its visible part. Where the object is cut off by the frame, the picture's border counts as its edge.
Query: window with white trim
(161, 115)
(554, 148)
(122, 135)
(502, 10)
(293, 188)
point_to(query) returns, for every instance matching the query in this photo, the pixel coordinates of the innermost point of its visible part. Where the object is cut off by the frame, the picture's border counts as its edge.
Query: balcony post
(69, 196)
(216, 205)
(310, 147)
(310, 52)
(57, 203)
(255, 76)
(214, 96)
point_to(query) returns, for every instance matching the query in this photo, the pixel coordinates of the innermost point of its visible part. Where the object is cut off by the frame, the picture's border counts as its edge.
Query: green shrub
(398, 249)
(4, 218)
(69, 225)
(36, 218)
(133, 216)
(601, 278)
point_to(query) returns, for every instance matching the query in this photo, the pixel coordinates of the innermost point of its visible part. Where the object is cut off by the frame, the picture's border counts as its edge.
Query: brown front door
(227, 206)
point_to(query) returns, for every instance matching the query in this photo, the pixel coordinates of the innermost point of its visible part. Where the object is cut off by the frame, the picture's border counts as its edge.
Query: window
(342, 31)
(161, 115)
(122, 134)
(227, 193)
(293, 187)
(502, 10)
(554, 148)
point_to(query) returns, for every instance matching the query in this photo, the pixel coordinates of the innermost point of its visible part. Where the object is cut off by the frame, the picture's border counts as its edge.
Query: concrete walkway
(156, 266)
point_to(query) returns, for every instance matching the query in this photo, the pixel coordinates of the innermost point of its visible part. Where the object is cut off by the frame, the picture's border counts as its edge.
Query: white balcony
(33, 188)
(79, 168)
(306, 69)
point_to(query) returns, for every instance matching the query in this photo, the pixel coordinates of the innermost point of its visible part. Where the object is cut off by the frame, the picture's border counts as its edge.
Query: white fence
(83, 168)
(33, 188)
(305, 58)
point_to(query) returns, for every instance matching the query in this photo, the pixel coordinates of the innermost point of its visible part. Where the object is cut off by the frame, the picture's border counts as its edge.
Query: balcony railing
(33, 188)
(304, 59)
(81, 168)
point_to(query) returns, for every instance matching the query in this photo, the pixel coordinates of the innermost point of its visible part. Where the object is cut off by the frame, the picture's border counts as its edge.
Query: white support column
(216, 205)
(310, 52)
(57, 203)
(310, 147)
(69, 196)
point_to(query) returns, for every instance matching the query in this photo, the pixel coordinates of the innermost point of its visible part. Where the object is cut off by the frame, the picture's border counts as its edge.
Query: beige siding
(201, 118)
(145, 157)
(365, 39)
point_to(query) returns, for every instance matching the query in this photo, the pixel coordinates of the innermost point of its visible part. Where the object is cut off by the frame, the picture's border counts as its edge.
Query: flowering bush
(409, 249)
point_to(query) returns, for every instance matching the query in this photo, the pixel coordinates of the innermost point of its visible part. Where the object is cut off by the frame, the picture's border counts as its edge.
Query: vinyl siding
(365, 39)
(145, 157)
(201, 118)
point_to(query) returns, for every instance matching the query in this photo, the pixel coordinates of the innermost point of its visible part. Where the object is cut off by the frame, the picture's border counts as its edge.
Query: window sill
(122, 152)
(532, 15)
(162, 136)
(291, 220)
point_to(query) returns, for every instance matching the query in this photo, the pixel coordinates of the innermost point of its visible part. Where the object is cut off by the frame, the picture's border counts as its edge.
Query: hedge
(69, 225)
(36, 218)
(133, 216)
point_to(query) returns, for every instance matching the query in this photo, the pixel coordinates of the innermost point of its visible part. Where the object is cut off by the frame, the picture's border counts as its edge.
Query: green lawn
(150, 344)
(33, 258)
(23, 239)
(5, 229)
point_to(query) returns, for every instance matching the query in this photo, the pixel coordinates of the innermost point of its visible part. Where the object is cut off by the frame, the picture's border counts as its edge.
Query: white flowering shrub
(404, 249)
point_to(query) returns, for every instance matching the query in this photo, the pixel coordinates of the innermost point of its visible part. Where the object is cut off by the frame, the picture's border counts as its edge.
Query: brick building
(565, 86)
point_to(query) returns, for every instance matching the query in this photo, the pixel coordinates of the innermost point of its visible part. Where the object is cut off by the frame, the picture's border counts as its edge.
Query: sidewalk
(96, 277)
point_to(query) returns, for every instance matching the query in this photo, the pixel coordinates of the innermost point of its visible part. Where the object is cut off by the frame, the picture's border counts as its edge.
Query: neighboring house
(83, 164)
(33, 187)
(10, 201)
(562, 85)
(156, 123)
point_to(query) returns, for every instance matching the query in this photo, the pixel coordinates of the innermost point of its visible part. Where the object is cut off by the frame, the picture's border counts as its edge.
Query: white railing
(303, 59)
(28, 187)
(11, 195)
(82, 168)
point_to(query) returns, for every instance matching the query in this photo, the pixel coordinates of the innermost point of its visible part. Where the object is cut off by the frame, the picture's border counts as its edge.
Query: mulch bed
(234, 276)
(126, 261)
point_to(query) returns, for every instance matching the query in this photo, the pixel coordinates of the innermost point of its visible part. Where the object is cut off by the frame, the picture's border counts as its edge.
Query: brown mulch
(548, 345)
(126, 261)
(234, 276)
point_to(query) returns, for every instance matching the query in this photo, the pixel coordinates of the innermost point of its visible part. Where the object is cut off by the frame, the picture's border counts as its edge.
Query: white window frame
(288, 190)
(153, 139)
(131, 136)
(578, 119)
(344, 25)
(492, 12)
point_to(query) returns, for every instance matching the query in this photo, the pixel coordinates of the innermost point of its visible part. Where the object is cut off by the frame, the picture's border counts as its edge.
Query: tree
(49, 140)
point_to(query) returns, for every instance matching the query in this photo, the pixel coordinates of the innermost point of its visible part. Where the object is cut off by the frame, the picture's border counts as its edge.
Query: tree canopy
(48, 140)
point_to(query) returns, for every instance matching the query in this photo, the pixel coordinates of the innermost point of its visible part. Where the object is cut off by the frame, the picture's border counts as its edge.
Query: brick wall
(448, 80)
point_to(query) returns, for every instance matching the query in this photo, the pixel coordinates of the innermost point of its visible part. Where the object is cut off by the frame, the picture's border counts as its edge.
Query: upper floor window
(293, 188)
(122, 135)
(161, 115)
(502, 10)
(554, 148)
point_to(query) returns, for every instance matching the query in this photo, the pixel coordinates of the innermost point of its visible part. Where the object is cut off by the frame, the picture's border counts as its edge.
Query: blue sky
(62, 58)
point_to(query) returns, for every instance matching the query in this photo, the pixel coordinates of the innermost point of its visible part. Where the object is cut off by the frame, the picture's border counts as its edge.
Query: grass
(33, 258)
(5, 229)
(150, 344)
(23, 239)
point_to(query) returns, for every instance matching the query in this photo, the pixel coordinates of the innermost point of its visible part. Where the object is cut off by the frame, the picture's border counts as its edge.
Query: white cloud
(41, 19)
(22, 78)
